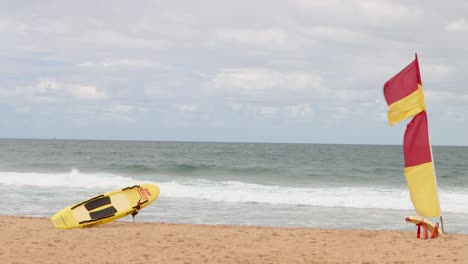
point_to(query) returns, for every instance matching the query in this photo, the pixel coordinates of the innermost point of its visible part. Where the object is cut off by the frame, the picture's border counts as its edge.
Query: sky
(298, 71)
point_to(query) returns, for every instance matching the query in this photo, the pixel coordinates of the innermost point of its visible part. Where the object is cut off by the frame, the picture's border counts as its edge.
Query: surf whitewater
(293, 185)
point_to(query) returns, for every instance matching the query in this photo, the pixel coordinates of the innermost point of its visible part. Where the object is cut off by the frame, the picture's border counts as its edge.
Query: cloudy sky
(243, 71)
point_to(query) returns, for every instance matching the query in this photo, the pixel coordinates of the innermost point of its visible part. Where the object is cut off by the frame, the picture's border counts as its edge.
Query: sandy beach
(35, 240)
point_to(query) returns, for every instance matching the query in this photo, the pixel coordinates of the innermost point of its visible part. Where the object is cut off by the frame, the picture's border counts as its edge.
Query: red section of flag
(403, 84)
(416, 145)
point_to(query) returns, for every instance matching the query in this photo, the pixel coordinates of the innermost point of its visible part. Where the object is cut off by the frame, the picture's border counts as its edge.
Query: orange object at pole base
(418, 235)
(426, 235)
(435, 232)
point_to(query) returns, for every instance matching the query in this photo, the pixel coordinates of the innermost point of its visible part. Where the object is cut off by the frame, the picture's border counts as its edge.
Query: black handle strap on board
(89, 200)
(101, 214)
(131, 187)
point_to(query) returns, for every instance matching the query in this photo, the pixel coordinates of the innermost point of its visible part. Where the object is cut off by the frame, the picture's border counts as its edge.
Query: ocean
(259, 184)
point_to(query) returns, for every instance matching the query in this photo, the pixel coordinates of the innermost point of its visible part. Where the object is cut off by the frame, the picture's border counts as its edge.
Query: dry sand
(35, 240)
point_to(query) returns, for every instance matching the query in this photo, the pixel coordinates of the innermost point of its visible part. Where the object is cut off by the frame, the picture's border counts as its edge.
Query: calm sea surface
(292, 185)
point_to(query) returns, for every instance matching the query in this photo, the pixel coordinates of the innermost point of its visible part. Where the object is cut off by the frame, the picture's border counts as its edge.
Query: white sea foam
(72, 179)
(240, 192)
(349, 197)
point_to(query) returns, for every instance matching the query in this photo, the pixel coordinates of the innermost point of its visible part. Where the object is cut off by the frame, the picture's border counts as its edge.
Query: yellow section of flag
(409, 106)
(423, 189)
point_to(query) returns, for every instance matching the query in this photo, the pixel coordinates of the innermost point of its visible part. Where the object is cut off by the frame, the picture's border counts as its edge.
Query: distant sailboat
(405, 98)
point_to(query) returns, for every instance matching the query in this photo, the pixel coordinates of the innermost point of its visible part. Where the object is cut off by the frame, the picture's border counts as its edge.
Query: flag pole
(435, 175)
(442, 224)
(432, 156)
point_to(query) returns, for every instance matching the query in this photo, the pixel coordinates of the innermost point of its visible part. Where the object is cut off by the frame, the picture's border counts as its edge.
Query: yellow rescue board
(106, 207)
(417, 220)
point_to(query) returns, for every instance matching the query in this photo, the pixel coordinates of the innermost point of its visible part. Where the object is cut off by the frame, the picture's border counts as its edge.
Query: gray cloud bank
(276, 71)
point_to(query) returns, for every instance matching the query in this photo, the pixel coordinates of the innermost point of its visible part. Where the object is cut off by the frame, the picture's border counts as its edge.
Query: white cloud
(339, 34)
(117, 63)
(86, 92)
(457, 25)
(121, 109)
(44, 91)
(264, 83)
(349, 95)
(236, 107)
(45, 85)
(244, 79)
(187, 108)
(11, 26)
(285, 112)
(437, 72)
(446, 97)
(49, 90)
(299, 110)
(342, 112)
(23, 109)
(388, 11)
(265, 38)
(268, 111)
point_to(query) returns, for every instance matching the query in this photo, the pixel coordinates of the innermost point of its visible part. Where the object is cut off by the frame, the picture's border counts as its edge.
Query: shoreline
(35, 240)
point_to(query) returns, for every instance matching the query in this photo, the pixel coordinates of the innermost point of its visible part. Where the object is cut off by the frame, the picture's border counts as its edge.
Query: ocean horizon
(264, 184)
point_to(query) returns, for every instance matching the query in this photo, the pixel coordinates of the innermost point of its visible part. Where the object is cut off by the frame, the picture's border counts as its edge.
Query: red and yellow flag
(419, 167)
(404, 95)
